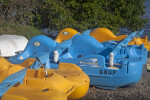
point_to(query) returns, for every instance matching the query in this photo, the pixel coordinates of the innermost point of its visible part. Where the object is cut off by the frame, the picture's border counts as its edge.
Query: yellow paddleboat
(66, 82)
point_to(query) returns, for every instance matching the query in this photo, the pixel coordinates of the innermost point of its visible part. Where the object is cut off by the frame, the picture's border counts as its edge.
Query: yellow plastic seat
(65, 34)
(104, 34)
(139, 41)
(68, 81)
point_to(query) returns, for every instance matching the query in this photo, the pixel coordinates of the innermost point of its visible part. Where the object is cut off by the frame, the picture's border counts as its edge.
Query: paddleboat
(20, 82)
(11, 45)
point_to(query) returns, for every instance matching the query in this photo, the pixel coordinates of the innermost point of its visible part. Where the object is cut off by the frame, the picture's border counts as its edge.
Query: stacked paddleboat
(53, 70)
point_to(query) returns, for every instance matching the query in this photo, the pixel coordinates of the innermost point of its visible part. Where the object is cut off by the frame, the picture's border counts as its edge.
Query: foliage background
(22, 16)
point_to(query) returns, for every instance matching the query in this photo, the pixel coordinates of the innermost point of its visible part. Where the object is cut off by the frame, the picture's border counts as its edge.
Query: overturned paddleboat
(18, 82)
(11, 45)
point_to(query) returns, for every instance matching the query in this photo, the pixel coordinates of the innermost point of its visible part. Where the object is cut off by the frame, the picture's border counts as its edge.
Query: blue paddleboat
(109, 64)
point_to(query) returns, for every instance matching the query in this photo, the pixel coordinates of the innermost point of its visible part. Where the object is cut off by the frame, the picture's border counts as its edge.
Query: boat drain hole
(8, 85)
(86, 81)
(17, 84)
(79, 56)
(45, 90)
(65, 76)
(69, 90)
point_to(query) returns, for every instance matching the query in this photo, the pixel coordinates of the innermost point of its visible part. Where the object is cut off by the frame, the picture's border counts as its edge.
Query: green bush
(18, 29)
(77, 14)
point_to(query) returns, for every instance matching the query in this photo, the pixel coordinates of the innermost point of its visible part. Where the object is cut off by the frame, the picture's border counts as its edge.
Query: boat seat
(65, 34)
(104, 34)
(36, 46)
(83, 45)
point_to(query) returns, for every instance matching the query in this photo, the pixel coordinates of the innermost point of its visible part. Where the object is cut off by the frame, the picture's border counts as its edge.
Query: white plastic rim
(10, 44)
(56, 55)
(111, 59)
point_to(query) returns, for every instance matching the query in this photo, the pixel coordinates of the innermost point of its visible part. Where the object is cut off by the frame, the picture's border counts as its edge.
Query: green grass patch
(18, 29)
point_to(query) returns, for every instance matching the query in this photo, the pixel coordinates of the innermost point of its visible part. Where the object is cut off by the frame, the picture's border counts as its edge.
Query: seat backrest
(84, 45)
(104, 34)
(37, 44)
(65, 34)
(11, 80)
(40, 43)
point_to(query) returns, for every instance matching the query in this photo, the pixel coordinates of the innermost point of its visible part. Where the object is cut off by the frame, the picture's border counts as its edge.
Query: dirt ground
(141, 91)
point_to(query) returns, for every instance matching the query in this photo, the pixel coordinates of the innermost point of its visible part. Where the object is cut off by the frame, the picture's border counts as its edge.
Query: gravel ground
(140, 91)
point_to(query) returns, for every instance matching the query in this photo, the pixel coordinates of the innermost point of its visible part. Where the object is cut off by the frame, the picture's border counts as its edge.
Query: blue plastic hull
(103, 77)
(114, 82)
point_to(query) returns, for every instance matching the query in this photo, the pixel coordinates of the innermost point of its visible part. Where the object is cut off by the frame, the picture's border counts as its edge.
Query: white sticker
(65, 33)
(21, 57)
(37, 44)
